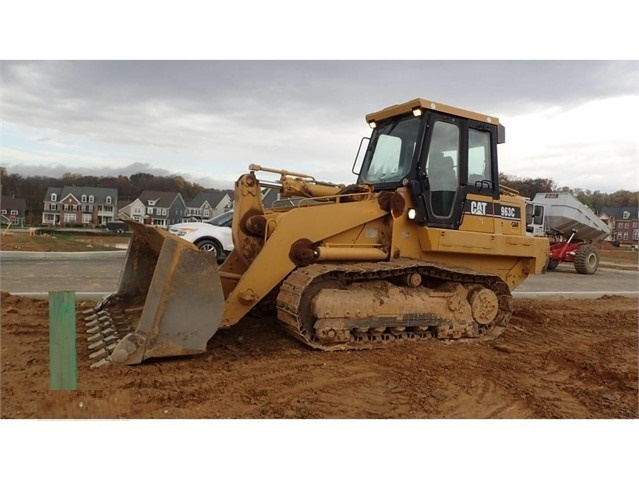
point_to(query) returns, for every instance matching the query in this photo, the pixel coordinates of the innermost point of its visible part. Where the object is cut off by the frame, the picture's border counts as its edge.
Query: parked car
(117, 227)
(213, 235)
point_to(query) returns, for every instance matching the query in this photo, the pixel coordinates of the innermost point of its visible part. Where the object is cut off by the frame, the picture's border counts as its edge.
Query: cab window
(479, 164)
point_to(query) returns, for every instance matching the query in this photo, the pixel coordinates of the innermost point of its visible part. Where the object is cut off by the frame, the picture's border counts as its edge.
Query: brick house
(13, 210)
(208, 204)
(163, 208)
(79, 205)
(624, 223)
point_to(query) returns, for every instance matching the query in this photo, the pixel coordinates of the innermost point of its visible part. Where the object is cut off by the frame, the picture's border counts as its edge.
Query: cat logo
(478, 208)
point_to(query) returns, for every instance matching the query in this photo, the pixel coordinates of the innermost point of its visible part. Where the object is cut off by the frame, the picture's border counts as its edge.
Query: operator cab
(441, 153)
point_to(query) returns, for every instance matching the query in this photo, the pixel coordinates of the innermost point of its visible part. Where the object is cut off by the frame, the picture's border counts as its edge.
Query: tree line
(34, 188)
(595, 200)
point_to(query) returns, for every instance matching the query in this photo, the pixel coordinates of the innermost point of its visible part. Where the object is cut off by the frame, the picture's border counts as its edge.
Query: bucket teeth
(93, 330)
(106, 335)
(102, 353)
(97, 344)
(94, 338)
(114, 338)
(99, 363)
(105, 328)
(97, 322)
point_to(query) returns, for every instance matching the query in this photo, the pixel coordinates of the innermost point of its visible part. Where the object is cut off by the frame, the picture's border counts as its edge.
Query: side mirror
(356, 161)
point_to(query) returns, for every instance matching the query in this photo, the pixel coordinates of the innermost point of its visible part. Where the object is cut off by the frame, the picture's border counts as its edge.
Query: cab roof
(409, 106)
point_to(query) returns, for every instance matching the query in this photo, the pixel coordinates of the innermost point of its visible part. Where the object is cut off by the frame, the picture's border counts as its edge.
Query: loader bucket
(169, 301)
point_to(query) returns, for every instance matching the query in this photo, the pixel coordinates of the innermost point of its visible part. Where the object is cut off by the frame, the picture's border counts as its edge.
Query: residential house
(163, 208)
(79, 205)
(624, 223)
(136, 210)
(208, 204)
(13, 210)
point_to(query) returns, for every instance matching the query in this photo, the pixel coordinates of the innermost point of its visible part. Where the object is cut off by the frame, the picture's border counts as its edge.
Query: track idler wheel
(484, 305)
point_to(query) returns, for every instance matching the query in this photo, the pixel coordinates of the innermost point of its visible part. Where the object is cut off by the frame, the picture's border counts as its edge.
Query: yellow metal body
(363, 231)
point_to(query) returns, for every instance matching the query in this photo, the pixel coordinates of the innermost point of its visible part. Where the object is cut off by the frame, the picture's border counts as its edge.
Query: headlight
(184, 231)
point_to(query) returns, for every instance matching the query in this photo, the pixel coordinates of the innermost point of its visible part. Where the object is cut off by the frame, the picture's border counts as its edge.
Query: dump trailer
(424, 244)
(572, 228)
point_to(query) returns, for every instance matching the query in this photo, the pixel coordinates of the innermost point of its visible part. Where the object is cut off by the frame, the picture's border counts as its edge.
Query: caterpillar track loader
(425, 244)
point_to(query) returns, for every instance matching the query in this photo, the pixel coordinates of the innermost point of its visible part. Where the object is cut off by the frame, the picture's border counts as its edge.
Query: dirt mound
(605, 245)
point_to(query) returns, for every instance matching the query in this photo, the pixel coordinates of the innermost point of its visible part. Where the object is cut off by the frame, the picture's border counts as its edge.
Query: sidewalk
(53, 255)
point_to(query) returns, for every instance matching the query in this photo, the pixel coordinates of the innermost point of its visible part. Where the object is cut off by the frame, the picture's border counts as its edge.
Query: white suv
(213, 235)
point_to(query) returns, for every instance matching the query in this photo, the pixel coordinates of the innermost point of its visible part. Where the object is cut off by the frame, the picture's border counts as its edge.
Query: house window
(149, 211)
(14, 212)
(634, 225)
(619, 236)
(54, 197)
(635, 235)
(164, 212)
(53, 207)
(91, 198)
(84, 198)
(626, 215)
(86, 219)
(4, 212)
(625, 236)
(137, 210)
(108, 200)
(69, 218)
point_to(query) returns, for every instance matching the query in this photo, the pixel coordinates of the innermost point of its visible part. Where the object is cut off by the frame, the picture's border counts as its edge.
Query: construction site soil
(557, 359)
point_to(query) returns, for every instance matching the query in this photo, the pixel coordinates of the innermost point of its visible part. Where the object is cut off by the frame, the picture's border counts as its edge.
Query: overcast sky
(576, 122)
(94, 108)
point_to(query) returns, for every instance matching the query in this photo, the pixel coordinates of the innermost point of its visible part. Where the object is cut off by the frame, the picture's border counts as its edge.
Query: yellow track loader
(425, 244)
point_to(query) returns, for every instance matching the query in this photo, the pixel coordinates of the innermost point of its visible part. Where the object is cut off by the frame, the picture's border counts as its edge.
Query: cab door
(440, 167)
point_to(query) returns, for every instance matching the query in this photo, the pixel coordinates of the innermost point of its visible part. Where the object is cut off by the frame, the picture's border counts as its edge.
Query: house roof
(213, 197)
(9, 203)
(163, 199)
(99, 194)
(617, 213)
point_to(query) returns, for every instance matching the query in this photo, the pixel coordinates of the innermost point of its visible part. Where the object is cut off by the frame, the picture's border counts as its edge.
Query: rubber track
(292, 290)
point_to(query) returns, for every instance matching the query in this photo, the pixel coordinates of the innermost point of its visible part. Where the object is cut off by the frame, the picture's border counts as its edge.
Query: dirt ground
(20, 240)
(557, 359)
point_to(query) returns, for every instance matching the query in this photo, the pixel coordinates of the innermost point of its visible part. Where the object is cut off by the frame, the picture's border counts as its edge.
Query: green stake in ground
(63, 371)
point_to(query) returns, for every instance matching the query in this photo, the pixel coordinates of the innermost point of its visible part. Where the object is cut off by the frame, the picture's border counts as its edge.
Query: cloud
(211, 119)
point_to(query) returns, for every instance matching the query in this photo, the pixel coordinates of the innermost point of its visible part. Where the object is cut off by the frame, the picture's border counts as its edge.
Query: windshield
(225, 219)
(391, 156)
